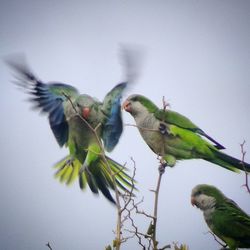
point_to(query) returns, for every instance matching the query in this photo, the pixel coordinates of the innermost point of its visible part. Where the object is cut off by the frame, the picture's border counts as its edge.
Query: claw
(163, 165)
(163, 129)
(161, 169)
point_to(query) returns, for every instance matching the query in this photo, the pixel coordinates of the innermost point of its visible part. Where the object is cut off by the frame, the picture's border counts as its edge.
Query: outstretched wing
(181, 121)
(47, 97)
(113, 126)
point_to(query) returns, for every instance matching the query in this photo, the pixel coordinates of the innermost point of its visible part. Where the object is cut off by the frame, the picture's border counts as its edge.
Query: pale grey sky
(197, 56)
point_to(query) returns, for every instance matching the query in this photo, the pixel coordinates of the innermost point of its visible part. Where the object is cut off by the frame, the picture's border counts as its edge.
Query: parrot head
(137, 104)
(205, 196)
(84, 105)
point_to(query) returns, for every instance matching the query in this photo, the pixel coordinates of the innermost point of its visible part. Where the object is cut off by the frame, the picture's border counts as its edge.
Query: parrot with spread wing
(174, 137)
(223, 216)
(83, 124)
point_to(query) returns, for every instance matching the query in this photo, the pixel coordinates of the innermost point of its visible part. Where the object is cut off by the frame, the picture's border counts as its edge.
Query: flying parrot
(223, 216)
(83, 124)
(174, 137)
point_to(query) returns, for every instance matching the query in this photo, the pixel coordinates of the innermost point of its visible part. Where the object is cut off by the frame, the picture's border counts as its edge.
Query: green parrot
(174, 137)
(72, 118)
(223, 216)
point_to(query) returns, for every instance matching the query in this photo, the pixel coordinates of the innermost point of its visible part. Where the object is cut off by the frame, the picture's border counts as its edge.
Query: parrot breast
(149, 130)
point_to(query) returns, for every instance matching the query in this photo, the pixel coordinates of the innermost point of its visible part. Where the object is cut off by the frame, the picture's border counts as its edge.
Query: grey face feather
(138, 111)
(204, 202)
(201, 199)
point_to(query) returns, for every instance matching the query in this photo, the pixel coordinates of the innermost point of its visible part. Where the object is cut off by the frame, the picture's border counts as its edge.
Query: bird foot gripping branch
(162, 166)
(163, 128)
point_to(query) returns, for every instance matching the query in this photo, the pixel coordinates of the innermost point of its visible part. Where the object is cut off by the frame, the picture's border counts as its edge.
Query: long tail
(98, 177)
(229, 162)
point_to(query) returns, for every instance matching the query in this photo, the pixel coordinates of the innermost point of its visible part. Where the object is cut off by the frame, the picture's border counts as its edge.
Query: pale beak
(193, 201)
(85, 113)
(126, 106)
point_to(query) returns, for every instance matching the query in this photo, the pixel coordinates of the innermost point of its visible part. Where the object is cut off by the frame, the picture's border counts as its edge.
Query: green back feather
(175, 118)
(149, 105)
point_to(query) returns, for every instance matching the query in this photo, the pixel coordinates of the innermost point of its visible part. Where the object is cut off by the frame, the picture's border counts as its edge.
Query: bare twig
(129, 207)
(141, 211)
(150, 235)
(139, 235)
(165, 104)
(165, 247)
(161, 172)
(48, 245)
(142, 128)
(243, 153)
(215, 238)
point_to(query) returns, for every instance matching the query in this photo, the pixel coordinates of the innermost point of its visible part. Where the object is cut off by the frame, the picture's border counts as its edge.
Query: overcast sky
(197, 54)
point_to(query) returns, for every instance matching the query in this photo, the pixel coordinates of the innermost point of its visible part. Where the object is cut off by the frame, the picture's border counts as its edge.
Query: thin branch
(161, 172)
(165, 247)
(148, 129)
(215, 238)
(150, 235)
(128, 199)
(139, 236)
(243, 153)
(48, 245)
(129, 207)
(165, 104)
(141, 211)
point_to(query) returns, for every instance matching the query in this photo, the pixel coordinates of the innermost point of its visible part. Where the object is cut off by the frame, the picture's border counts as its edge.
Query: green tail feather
(97, 176)
(123, 180)
(86, 177)
(99, 182)
(68, 170)
(229, 162)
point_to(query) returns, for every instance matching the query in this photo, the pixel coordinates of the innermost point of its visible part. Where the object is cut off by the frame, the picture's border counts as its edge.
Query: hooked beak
(85, 113)
(193, 201)
(126, 106)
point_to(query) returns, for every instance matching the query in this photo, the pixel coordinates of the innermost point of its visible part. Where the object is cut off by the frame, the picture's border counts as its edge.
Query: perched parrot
(223, 216)
(72, 118)
(174, 137)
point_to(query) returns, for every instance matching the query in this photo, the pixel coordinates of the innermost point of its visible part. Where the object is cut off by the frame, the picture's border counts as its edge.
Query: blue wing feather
(48, 98)
(113, 127)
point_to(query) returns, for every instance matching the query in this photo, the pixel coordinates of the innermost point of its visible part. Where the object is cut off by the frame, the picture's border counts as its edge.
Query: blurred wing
(113, 126)
(48, 98)
(131, 60)
(181, 121)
